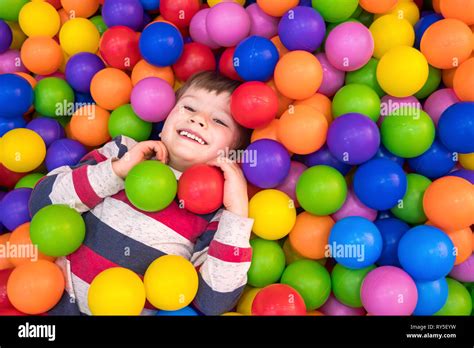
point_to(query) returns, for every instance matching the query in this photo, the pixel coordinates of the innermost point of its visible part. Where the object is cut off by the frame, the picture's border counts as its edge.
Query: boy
(118, 234)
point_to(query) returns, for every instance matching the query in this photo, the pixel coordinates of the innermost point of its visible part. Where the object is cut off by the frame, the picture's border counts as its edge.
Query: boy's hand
(143, 151)
(235, 187)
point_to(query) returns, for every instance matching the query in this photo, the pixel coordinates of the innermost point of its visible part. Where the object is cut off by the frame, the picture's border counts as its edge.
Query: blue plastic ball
(161, 44)
(150, 5)
(437, 161)
(123, 12)
(384, 153)
(64, 152)
(7, 124)
(456, 127)
(431, 296)
(255, 59)
(426, 253)
(184, 312)
(355, 242)
(392, 230)
(380, 183)
(16, 96)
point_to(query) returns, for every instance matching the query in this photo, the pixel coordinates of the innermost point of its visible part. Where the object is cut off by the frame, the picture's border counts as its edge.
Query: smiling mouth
(191, 136)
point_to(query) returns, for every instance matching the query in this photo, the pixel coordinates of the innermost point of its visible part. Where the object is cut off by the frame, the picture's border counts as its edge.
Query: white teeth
(192, 136)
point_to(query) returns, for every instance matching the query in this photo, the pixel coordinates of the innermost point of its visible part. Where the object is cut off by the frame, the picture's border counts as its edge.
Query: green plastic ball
(321, 190)
(459, 300)
(311, 280)
(54, 97)
(335, 11)
(29, 181)
(151, 186)
(410, 209)
(356, 98)
(408, 132)
(268, 263)
(124, 121)
(10, 9)
(57, 230)
(367, 75)
(431, 85)
(99, 23)
(346, 284)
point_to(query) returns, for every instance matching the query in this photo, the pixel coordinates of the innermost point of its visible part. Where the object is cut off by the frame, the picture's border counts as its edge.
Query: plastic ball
(424, 23)
(227, 24)
(456, 127)
(171, 283)
(41, 55)
(111, 88)
(388, 32)
(29, 181)
(383, 288)
(9, 178)
(196, 58)
(276, 9)
(463, 81)
(99, 23)
(268, 262)
(7, 124)
(278, 299)
(124, 121)
(183, 312)
(244, 306)
(324, 157)
(302, 130)
(319, 102)
(354, 207)
(48, 129)
(333, 307)
(356, 98)
(123, 12)
(119, 48)
(16, 95)
(255, 59)
(333, 79)
(179, 12)
(391, 230)
(14, 208)
(151, 186)
(464, 271)
(161, 44)
(309, 236)
(449, 203)
(80, 8)
(22, 150)
(152, 99)
(298, 75)
(367, 75)
(335, 11)
(53, 97)
(462, 240)
(89, 125)
(81, 68)
(437, 161)
(408, 132)
(459, 301)
(432, 296)
(346, 284)
(5, 263)
(431, 84)
(378, 6)
(288, 185)
(64, 152)
(273, 213)
(321, 190)
(262, 24)
(353, 147)
(116, 291)
(461, 173)
(459, 9)
(4, 301)
(79, 35)
(39, 19)
(142, 70)
(198, 29)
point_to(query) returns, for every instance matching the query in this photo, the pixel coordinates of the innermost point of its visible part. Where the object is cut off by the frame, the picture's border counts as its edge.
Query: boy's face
(198, 127)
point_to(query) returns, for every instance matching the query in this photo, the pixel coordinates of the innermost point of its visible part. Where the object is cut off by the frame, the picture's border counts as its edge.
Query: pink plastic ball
(198, 29)
(335, 308)
(464, 272)
(10, 62)
(439, 101)
(333, 79)
(349, 46)
(152, 99)
(262, 24)
(390, 104)
(227, 24)
(354, 207)
(389, 290)
(57, 74)
(289, 184)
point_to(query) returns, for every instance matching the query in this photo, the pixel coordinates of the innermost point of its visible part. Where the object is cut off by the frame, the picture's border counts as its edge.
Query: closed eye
(220, 122)
(189, 108)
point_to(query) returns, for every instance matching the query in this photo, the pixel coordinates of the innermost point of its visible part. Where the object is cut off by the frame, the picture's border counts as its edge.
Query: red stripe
(95, 155)
(229, 253)
(83, 187)
(181, 221)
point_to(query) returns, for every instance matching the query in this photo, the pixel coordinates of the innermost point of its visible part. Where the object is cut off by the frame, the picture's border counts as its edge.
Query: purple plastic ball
(324, 157)
(262, 24)
(302, 28)
(465, 174)
(123, 12)
(48, 128)
(198, 29)
(268, 163)
(10, 62)
(152, 99)
(438, 102)
(333, 307)
(64, 152)
(2, 194)
(14, 210)
(6, 36)
(464, 272)
(227, 24)
(289, 184)
(333, 79)
(354, 207)
(353, 138)
(81, 68)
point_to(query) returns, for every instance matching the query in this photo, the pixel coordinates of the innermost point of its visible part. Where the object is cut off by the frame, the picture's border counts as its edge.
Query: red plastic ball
(196, 57)
(179, 12)
(201, 189)
(278, 299)
(8, 178)
(254, 104)
(4, 301)
(119, 47)
(226, 64)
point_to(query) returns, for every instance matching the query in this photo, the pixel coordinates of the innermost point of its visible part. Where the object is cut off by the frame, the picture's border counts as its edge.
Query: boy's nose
(199, 120)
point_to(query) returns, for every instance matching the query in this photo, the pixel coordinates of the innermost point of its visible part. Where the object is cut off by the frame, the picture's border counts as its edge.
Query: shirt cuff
(234, 230)
(103, 179)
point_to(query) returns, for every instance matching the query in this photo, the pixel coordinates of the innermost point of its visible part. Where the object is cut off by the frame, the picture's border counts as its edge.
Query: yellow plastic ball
(215, 2)
(467, 160)
(116, 291)
(39, 19)
(404, 10)
(22, 150)
(388, 32)
(231, 314)
(171, 283)
(244, 306)
(402, 71)
(274, 214)
(79, 35)
(18, 36)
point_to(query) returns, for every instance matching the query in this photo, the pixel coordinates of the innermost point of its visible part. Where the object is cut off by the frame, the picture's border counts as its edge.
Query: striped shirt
(121, 235)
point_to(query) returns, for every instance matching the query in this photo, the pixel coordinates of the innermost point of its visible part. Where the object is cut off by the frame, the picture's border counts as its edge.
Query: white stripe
(224, 276)
(135, 225)
(80, 289)
(111, 150)
(198, 258)
(103, 179)
(63, 191)
(65, 267)
(234, 230)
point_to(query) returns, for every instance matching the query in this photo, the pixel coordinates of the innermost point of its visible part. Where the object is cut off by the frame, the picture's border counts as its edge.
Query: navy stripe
(204, 240)
(66, 306)
(40, 196)
(123, 149)
(116, 247)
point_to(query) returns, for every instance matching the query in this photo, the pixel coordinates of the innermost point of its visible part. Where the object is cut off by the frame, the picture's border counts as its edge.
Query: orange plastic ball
(283, 102)
(447, 43)
(276, 8)
(448, 77)
(35, 287)
(462, 242)
(463, 82)
(142, 70)
(268, 132)
(302, 129)
(437, 6)
(458, 9)
(320, 103)
(282, 50)
(449, 203)
(378, 6)
(4, 260)
(310, 235)
(31, 80)
(80, 8)
(89, 125)
(298, 75)
(111, 88)
(63, 16)
(41, 55)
